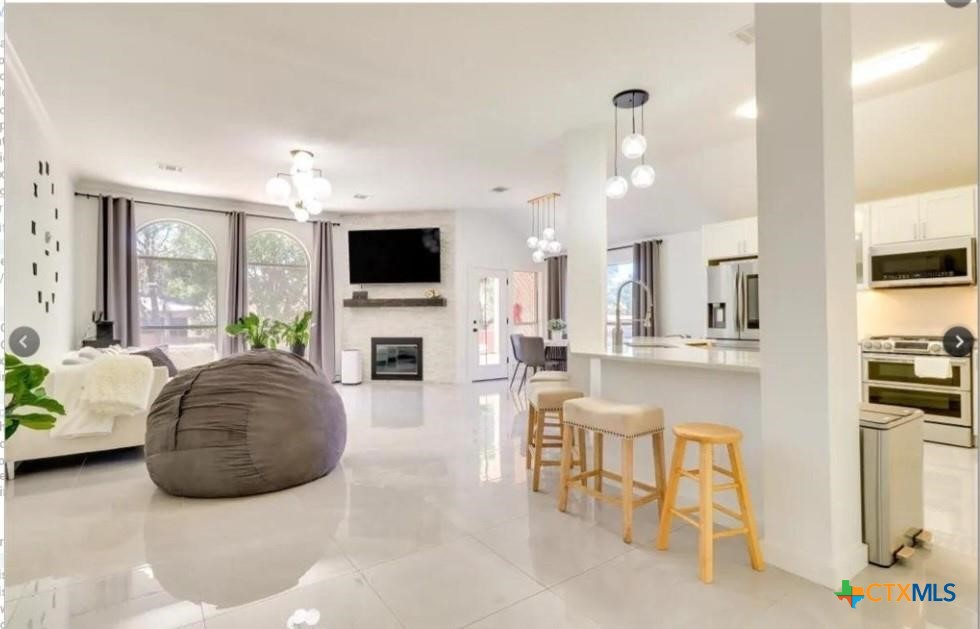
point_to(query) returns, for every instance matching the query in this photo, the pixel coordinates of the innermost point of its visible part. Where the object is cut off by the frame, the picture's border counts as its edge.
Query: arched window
(278, 275)
(178, 284)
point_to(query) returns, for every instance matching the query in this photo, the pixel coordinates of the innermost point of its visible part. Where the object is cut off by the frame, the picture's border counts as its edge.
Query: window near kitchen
(278, 275)
(619, 270)
(524, 303)
(178, 284)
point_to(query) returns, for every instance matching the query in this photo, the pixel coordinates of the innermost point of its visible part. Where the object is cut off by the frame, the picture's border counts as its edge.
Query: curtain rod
(196, 209)
(656, 240)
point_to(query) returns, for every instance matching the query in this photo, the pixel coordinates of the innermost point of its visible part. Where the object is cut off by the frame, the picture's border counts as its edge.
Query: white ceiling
(429, 106)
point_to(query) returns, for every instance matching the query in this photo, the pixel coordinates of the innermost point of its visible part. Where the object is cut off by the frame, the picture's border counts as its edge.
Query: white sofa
(129, 431)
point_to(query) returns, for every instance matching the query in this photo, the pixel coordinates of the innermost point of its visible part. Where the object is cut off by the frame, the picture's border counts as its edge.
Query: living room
(349, 315)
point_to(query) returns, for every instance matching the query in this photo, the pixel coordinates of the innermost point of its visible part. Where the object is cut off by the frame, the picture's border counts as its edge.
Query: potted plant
(23, 390)
(259, 333)
(556, 328)
(296, 333)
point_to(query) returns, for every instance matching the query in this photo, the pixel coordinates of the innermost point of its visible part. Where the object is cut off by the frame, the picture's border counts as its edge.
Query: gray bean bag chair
(248, 424)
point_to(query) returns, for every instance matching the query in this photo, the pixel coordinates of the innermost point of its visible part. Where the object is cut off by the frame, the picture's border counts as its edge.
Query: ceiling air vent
(745, 34)
(170, 168)
(499, 189)
(360, 196)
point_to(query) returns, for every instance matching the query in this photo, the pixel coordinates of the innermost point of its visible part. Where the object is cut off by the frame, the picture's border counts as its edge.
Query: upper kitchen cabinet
(946, 213)
(894, 220)
(731, 239)
(932, 215)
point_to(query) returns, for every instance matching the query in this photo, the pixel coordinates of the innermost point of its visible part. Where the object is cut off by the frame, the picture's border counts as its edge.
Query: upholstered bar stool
(626, 421)
(549, 376)
(546, 398)
(708, 436)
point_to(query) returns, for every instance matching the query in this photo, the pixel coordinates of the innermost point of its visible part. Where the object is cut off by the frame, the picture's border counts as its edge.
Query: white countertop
(682, 353)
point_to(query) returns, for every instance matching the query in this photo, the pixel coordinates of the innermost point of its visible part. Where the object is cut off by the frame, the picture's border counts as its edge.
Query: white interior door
(488, 325)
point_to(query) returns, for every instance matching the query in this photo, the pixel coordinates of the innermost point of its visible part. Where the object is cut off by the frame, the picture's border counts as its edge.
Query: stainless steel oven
(890, 378)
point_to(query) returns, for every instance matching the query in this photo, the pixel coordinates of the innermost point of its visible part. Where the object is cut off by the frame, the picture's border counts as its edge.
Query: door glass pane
(524, 303)
(488, 337)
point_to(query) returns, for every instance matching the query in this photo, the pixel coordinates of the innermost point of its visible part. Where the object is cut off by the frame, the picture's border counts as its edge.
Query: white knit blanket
(110, 386)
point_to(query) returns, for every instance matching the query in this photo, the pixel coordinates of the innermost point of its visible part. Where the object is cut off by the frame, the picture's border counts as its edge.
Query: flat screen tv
(394, 256)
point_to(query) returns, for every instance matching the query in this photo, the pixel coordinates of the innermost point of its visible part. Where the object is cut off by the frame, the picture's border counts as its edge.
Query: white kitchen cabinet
(939, 214)
(861, 216)
(946, 213)
(730, 239)
(895, 220)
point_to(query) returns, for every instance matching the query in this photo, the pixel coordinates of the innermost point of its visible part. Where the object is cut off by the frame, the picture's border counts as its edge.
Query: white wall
(29, 140)
(926, 311)
(493, 240)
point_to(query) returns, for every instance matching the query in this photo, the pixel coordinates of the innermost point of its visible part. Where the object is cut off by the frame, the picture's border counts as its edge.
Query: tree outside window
(178, 284)
(278, 275)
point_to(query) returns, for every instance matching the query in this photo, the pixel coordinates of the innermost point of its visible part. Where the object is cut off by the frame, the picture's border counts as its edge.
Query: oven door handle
(925, 388)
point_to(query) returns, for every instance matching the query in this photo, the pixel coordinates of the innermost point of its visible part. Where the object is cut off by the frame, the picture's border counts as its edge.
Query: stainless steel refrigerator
(733, 300)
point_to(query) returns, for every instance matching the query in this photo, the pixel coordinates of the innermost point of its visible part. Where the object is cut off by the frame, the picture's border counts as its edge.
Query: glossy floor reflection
(427, 523)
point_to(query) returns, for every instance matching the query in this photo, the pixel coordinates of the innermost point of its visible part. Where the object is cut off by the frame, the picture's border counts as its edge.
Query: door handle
(738, 306)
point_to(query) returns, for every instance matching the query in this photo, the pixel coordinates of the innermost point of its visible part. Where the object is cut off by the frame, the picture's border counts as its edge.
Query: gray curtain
(557, 272)
(237, 276)
(322, 343)
(646, 269)
(116, 289)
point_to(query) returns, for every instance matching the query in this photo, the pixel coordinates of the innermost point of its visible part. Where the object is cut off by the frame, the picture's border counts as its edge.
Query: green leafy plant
(258, 332)
(556, 325)
(297, 331)
(23, 390)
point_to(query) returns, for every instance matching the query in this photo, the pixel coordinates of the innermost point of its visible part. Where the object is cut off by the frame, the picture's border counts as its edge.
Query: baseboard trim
(823, 570)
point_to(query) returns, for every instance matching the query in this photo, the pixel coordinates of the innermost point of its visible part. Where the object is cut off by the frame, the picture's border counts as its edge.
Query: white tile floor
(428, 523)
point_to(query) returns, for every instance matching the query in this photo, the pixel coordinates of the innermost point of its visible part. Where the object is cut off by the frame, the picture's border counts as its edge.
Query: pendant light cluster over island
(634, 145)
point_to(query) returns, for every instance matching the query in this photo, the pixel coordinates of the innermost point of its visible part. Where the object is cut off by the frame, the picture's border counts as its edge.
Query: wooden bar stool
(544, 398)
(626, 421)
(708, 436)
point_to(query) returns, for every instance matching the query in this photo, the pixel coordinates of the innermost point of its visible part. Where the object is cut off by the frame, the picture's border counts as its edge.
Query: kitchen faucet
(617, 339)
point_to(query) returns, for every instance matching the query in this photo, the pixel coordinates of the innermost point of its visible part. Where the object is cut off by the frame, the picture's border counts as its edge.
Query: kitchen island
(692, 382)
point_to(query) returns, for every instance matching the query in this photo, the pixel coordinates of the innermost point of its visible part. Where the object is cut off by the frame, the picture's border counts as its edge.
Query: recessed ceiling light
(170, 168)
(868, 71)
(747, 110)
(360, 197)
(499, 189)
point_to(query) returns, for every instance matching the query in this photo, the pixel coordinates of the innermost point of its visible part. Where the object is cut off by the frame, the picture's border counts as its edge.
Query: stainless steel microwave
(934, 262)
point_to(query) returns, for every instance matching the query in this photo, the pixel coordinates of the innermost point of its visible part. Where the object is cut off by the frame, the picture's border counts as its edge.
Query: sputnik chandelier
(303, 189)
(544, 211)
(634, 145)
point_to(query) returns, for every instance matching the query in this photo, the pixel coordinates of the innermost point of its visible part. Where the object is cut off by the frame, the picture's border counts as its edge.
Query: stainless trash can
(891, 480)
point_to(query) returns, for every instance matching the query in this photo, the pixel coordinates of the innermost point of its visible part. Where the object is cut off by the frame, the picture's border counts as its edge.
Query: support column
(584, 200)
(810, 379)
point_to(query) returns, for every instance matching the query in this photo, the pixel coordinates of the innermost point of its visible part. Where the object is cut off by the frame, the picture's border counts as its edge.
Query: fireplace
(396, 358)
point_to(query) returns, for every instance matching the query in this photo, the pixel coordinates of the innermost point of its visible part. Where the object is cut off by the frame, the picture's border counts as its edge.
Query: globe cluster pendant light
(544, 210)
(634, 146)
(303, 189)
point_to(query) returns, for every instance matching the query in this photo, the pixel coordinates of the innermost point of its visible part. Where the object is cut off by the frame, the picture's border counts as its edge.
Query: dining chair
(515, 346)
(532, 355)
